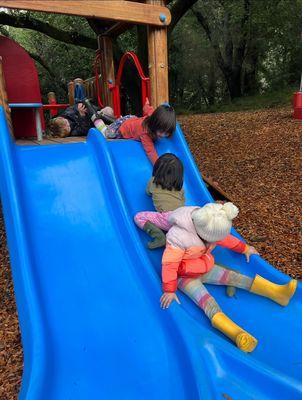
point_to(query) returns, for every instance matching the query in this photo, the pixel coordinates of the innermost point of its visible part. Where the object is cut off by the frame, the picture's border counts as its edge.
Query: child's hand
(250, 251)
(167, 298)
(82, 109)
(147, 102)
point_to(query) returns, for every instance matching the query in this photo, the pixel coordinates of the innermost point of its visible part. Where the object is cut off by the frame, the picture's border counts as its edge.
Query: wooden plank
(126, 11)
(24, 142)
(4, 99)
(71, 139)
(71, 93)
(216, 191)
(107, 68)
(90, 88)
(158, 62)
(50, 140)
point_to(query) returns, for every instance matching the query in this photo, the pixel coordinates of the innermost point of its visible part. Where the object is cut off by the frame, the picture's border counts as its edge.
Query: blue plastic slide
(88, 290)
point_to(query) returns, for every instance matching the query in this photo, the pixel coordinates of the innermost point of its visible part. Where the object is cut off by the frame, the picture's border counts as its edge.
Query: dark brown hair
(163, 119)
(168, 172)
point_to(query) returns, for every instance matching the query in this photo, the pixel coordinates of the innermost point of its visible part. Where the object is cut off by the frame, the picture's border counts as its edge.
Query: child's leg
(112, 131)
(281, 294)
(197, 292)
(100, 125)
(156, 218)
(153, 223)
(109, 131)
(222, 276)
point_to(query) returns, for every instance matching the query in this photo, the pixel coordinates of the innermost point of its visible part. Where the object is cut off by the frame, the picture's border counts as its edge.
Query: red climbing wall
(22, 84)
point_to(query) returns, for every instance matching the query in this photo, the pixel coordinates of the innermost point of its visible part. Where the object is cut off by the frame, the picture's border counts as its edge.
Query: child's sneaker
(90, 107)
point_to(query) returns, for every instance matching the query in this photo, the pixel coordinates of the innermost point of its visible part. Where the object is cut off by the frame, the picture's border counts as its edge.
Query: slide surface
(88, 290)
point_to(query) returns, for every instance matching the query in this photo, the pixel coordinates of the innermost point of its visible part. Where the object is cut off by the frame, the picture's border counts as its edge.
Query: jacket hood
(182, 217)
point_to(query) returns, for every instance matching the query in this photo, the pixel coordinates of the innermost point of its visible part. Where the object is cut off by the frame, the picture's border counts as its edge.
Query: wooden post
(4, 100)
(158, 61)
(71, 93)
(107, 68)
(51, 97)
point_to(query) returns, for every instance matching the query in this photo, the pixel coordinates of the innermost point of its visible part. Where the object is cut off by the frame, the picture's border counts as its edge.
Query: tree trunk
(230, 59)
(234, 83)
(212, 83)
(250, 84)
(234, 86)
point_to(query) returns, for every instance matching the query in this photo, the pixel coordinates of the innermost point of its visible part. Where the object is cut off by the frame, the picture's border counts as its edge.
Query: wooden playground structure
(117, 17)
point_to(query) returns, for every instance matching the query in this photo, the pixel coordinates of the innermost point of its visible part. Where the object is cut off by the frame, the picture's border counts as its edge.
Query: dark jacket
(79, 126)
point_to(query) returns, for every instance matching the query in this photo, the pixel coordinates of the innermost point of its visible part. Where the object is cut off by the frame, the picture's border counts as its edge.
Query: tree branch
(178, 10)
(40, 60)
(219, 58)
(240, 50)
(27, 22)
(228, 39)
(97, 25)
(204, 23)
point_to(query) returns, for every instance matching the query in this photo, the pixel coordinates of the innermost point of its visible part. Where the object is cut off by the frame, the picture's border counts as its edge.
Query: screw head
(162, 18)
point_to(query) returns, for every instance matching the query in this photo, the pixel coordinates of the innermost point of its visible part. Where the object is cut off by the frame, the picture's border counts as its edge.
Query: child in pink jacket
(188, 263)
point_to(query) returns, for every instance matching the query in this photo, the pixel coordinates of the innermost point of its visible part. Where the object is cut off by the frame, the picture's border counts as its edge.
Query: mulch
(11, 356)
(256, 157)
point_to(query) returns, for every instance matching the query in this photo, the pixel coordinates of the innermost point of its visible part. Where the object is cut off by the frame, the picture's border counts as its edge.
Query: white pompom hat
(213, 222)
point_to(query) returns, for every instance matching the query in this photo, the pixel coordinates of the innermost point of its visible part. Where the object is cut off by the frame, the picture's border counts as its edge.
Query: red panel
(297, 99)
(22, 84)
(298, 112)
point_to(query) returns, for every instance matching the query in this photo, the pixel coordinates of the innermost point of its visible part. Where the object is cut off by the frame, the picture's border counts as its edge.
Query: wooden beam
(126, 11)
(216, 191)
(117, 29)
(158, 62)
(107, 68)
(71, 93)
(4, 99)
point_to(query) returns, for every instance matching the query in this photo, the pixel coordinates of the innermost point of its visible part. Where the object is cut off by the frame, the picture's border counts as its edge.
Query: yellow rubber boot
(281, 294)
(243, 340)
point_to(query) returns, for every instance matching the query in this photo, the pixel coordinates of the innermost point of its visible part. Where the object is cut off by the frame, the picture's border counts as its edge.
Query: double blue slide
(87, 288)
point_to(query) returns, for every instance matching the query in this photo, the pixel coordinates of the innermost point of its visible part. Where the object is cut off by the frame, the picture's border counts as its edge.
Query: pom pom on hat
(231, 210)
(213, 222)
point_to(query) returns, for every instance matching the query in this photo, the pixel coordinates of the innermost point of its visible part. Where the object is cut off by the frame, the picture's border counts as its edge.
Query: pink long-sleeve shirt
(132, 129)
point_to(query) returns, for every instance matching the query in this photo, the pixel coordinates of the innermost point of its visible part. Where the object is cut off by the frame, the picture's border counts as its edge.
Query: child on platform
(188, 264)
(76, 120)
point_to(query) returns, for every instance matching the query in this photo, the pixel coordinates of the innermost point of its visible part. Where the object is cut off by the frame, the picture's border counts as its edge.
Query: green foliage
(65, 61)
(268, 99)
(272, 59)
(268, 32)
